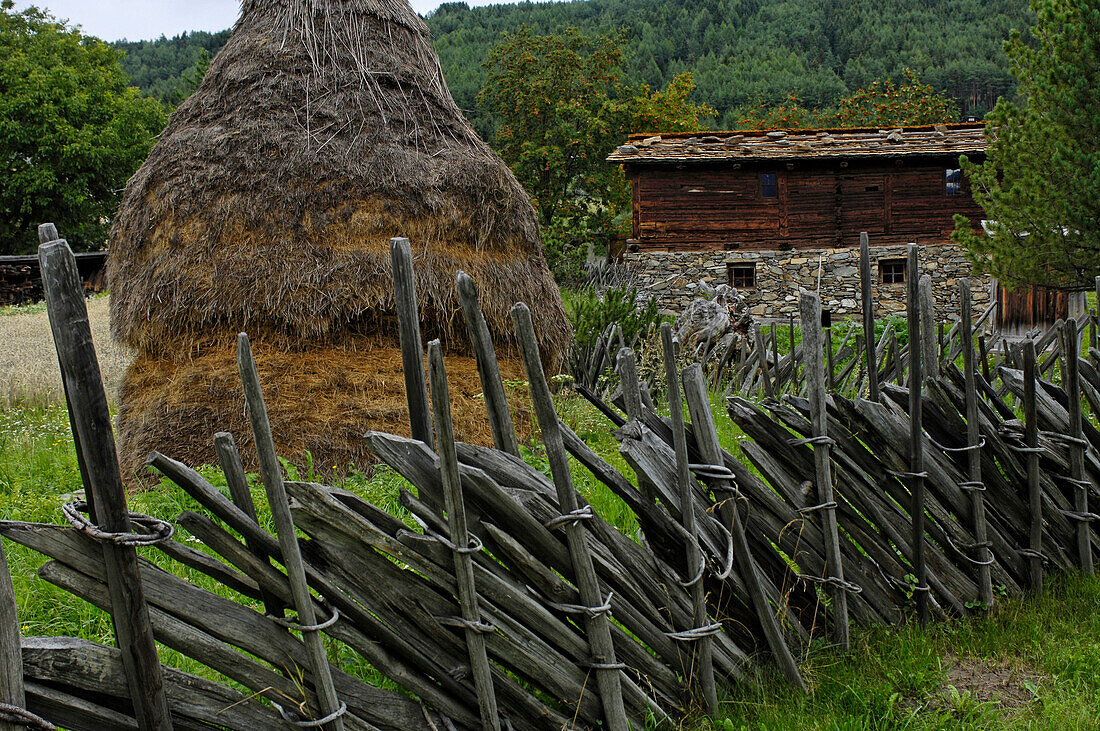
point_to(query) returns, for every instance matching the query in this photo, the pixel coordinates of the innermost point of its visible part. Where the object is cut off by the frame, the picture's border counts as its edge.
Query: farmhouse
(770, 212)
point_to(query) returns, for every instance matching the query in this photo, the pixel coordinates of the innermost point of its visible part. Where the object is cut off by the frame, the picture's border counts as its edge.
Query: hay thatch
(322, 129)
(320, 401)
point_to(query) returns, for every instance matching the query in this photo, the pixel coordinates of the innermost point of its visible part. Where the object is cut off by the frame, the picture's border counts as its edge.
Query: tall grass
(894, 677)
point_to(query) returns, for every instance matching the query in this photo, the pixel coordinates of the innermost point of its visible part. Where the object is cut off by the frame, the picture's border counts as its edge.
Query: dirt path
(28, 363)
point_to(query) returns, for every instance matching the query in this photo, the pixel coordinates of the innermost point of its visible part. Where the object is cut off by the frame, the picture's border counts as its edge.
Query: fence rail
(962, 485)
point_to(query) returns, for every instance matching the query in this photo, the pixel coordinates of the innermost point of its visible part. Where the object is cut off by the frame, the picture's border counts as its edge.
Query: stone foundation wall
(673, 278)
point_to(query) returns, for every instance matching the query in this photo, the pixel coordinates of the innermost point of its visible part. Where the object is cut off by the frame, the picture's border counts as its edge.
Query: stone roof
(926, 141)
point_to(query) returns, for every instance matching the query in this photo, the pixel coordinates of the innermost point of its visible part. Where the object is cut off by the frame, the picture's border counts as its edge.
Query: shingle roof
(926, 141)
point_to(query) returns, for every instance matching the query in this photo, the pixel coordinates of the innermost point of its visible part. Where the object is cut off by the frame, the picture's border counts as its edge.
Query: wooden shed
(798, 189)
(772, 212)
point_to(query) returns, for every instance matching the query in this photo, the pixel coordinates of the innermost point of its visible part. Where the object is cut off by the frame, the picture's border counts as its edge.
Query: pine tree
(1040, 182)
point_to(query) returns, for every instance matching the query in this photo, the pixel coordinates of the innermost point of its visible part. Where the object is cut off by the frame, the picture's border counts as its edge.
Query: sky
(136, 20)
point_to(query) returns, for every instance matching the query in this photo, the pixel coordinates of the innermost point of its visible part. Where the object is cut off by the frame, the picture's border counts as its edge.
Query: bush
(604, 323)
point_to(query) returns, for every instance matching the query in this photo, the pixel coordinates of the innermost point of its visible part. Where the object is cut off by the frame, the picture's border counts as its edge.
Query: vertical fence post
(762, 356)
(597, 624)
(632, 399)
(627, 367)
(91, 417)
(1096, 317)
(1072, 384)
(1034, 495)
(866, 285)
(230, 461)
(930, 351)
(47, 233)
(272, 473)
(775, 359)
(916, 445)
(412, 351)
(12, 693)
(700, 662)
(974, 483)
(460, 541)
(725, 494)
(792, 361)
(815, 380)
(496, 401)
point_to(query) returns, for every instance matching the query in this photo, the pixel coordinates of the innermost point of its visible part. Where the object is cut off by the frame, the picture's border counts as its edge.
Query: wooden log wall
(721, 206)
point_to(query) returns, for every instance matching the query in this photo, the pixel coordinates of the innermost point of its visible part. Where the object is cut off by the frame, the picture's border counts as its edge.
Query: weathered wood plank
(460, 537)
(603, 650)
(89, 411)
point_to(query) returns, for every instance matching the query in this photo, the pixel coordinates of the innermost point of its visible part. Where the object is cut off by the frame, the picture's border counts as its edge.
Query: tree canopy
(1040, 181)
(71, 131)
(563, 107)
(741, 53)
(882, 104)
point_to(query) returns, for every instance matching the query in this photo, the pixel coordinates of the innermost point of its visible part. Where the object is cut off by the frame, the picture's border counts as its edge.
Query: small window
(742, 276)
(952, 180)
(892, 271)
(769, 188)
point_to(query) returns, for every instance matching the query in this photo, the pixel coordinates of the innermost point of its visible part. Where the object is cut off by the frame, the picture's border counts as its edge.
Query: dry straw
(321, 130)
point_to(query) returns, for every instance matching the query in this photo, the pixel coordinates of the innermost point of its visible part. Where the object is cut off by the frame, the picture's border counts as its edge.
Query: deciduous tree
(562, 108)
(71, 131)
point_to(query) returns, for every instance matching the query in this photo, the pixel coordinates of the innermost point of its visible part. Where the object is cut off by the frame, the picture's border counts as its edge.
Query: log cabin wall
(788, 208)
(716, 206)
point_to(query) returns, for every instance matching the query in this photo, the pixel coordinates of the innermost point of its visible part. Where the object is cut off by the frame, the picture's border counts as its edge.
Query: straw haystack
(321, 130)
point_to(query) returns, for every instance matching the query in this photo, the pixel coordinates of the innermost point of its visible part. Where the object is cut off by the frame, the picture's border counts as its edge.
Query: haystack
(322, 129)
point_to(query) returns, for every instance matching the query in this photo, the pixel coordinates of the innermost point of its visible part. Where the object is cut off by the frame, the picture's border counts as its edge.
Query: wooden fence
(515, 604)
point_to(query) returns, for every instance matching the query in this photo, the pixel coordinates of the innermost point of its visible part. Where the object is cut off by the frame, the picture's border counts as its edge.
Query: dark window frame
(893, 272)
(772, 186)
(952, 182)
(743, 272)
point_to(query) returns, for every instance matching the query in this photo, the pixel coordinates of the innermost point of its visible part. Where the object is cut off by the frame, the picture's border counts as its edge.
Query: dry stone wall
(674, 277)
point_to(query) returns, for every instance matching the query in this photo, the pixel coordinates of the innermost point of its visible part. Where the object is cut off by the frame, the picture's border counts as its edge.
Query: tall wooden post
(103, 482)
(1096, 317)
(762, 357)
(47, 233)
(701, 659)
(1034, 495)
(597, 624)
(930, 350)
(974, 456)
(706, 438)
(1072, 384)
(230, 461)
(866, 284)
(916, 445)
(460, 540)
(496, 401)
(12, 691)
(810, 307)
(272, 473)
(412, 351)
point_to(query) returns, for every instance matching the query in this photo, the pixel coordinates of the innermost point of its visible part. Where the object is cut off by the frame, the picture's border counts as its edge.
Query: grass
(905, 678)
(1035, 663)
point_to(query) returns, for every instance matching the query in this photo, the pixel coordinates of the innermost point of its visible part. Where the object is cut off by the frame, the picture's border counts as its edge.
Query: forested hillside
(160, 67)
(740, 52)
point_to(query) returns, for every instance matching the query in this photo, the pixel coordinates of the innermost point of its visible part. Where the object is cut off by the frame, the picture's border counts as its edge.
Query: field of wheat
(28, 362)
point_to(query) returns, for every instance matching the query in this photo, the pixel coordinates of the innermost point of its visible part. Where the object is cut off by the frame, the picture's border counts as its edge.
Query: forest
(740, 53)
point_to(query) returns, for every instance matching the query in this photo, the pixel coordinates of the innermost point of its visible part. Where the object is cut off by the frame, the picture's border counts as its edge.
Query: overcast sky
(137, 20)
